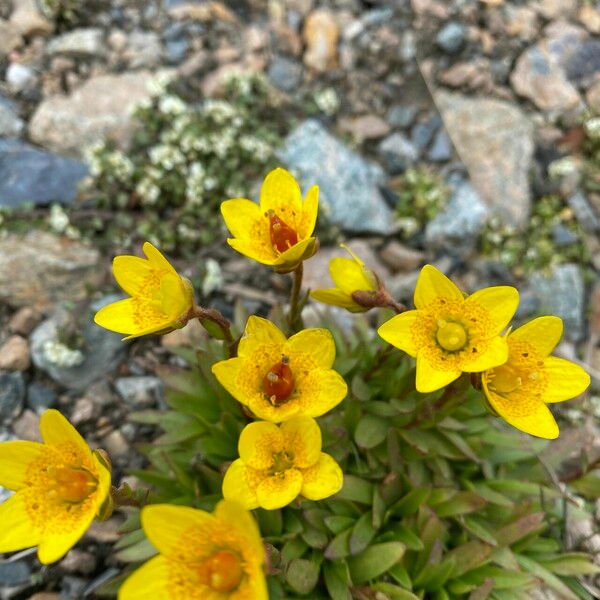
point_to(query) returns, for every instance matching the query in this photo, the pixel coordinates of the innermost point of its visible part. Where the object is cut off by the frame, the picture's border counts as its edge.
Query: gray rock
(140, 392)
(441, 148)
(563, 236)
(40, 397)
(397, 153)
(20, 77)
(348, 183)
(176, 50)
(457, 227)
(102, 353)
(285, 73)
(563, 294)
(584, 213)
(14, 572)
(451, 38)
(402, 116)
(88, 42)
(12, 396)
(144, 50)
(495, 141)
(423, 132)
(30, 175)
(10, 123)
(584, 62)
(10, 38)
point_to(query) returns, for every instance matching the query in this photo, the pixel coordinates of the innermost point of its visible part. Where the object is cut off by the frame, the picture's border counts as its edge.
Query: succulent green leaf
(375, 561)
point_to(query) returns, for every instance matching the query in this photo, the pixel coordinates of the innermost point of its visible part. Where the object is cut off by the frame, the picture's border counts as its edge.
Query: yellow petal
(336, 297)
(242, 217)
(258, 442)
(165, 524)
(254, 249)
(263, 409)
(279, 490)
(104, 483)
(17, 531)
(317, 343)
(238, 518)
(496, 354)
(429, 379)
(332, 390)
(398, 331)
(259, 332)
(175, 300)
(54, 546)
(566, 380)
(56, 430)
(14, 460)
(310, 209)
(303, 436)
(433, 284)
(237, 485)
(226, 372)
(156, 258)
(500, 302)
(350, 275)
(526, 413)
(131, 273)
(117, 316)
(542, 333)
(322, 480)
(281, 193)
(151, 580)
(303, 250)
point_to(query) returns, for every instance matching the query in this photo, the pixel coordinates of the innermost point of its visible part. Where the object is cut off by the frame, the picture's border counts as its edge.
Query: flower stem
(213, 315)
(294, 314)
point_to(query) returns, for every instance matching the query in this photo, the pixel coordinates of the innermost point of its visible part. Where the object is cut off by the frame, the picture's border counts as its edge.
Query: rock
(397, 153)
(285, 73)
(441, 149)
(556, 9)
(28, 174)
(12, 396)
(365, 127)
(78, 561)
(23, 321)
(402, 286)
(115, 444)
(140, 392)
(584, 213)
(27, 427)
(562, 293)
(401, 258)
(14, 354)
(348, 183)
(144, 50)
(10, 123)
(190, 335)
(460, 73)
(102, 352)
(105, 532)
(457, 227)
(28, 20)
(40, 397)
(495, 141)
(521, 22)
(39, 269)
(14, 573)
(320, 35)
(422, 133)
(100, 109)
(83, 411)
(563, 236)
(589, 17)
(593, 97)
(540, 75)
(88, 42)
(10, 38)
(451, 38)
(20, 77)
(402, 116)
(584, 61)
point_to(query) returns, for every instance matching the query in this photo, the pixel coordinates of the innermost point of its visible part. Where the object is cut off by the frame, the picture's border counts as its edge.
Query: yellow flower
(520, 389)
(350, 276)
(60, 486)
(203, 556)
(279, 463)
(450, 334)
(161, 300)
(278, 231)
(278, 378)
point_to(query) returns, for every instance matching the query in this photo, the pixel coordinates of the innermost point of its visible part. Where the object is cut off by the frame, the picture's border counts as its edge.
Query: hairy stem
(294, 314)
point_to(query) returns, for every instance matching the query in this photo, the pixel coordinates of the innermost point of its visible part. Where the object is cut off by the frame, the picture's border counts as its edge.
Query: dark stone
(176, 50)
(423, 132)
(402, 116)
(584, 62)
(286, 74)
(584, 213)
(13, 573)
(12, 396)
(451, 38)
(398, 153)
(30, 175)
(441, 149)
(40, 397)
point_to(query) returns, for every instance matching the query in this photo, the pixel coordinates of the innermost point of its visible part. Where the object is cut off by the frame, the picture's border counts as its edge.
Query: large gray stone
(562, 293)
(348, 183)
(79, 42)
(10, 123)
(100, 109)
(495, 141)
(10, 38)
(30, 175)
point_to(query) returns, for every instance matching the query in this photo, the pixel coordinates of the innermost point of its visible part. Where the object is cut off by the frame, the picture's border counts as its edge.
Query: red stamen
(278, 383)
(282, 235)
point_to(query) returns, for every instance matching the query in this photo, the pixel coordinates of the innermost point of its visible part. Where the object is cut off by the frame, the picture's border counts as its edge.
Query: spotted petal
(318, 343)
(429, 379)
(433, 284)
(279, 490)
(566, 380)
(542, 333)
(500, 302)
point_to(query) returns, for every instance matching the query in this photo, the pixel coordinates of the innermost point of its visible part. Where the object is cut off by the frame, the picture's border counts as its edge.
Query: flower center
(282, 461)
(282, 235)
(222, 571)
(506, 380)
(71, 484)
(451, 336)
(278, 383)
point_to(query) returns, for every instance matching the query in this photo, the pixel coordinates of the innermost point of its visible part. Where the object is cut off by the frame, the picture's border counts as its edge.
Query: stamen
(282, 235)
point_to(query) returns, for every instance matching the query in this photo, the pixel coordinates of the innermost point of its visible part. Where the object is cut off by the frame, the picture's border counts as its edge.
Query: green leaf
(433, 577)
(405, 535)
(337, 524)
(137, 552)
(520, 528)
(393, 591)
(410, 504)
(571, 563)
(336, 580)
(374, 561)
(588, 486)
(362, 533)
(356, 489)
(462, 503)
(302, 575)
(468, 556)
(546, 576)
(293, 549)
(371, 431)
(339, 547)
